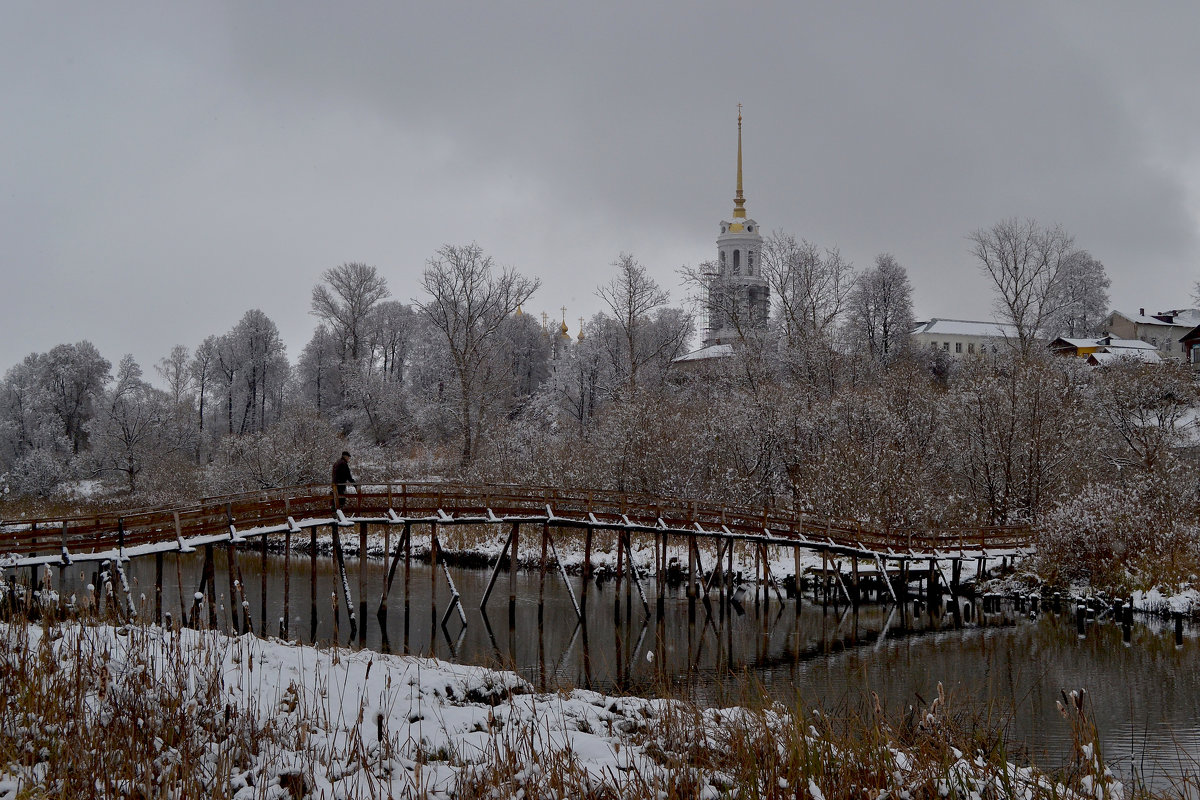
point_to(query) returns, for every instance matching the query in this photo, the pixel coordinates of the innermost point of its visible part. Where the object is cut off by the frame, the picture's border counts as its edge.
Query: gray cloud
(172, 167)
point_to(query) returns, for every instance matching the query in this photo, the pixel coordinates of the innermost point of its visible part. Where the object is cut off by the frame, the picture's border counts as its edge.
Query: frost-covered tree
(1024, 261)
(136, 426)
(391, 326)
(880, 313)
(175, 371)
(345, 301)
(809, 287)
(1079, 298)
(468, 300)
(319, 370)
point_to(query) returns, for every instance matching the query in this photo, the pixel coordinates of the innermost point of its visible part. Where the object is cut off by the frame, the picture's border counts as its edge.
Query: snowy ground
(335, 723)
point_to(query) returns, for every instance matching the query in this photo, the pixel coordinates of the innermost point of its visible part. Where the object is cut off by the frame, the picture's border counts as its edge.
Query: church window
(737, 262)
(722, 270)
(749, 229)
(749, 262)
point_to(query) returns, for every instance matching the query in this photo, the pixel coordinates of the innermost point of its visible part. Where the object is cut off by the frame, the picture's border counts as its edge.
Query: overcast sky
(168, 166)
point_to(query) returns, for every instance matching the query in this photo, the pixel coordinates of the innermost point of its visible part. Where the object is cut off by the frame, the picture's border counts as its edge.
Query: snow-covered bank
(142, 710)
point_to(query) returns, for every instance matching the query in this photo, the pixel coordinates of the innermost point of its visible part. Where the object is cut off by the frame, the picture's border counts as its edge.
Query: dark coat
(341, 473)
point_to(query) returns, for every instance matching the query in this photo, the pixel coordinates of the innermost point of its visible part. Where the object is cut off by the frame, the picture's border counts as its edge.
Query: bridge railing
(106, 530)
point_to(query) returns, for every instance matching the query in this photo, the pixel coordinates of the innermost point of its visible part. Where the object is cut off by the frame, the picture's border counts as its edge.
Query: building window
(958, 347)
(737, 262)
(722, 262)
(946, 346)
(749, 262)
(970, 347)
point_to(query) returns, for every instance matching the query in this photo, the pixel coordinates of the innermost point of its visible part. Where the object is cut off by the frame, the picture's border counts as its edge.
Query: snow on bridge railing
(272, 507)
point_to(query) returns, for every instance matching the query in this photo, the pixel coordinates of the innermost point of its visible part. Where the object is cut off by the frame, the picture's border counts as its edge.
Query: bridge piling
(362, 583)
(312, 577)
(512, 575)
(433, 563)
(286, 619)
(587, 566)
(407, 576)
(158, 584)
(542, 576)
(344, 584)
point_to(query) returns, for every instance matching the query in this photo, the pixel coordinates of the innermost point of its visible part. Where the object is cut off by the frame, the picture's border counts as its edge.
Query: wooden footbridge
(851, 556)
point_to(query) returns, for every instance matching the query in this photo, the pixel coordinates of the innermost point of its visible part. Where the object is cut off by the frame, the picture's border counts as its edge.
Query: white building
(963, 337)
(738, 295)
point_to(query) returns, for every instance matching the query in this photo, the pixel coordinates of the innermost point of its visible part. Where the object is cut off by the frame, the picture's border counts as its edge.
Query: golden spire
(564, 321)
(739, 202)
(581, 329)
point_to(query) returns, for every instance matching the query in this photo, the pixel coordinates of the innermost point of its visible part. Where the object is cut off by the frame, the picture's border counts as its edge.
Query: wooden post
(433, 560)
(587, 566)
(33, 570)
(231, 549)
(340, 558)
(542, 573)
(158, 581)
(857, 588)
(209, 579)
(312, 576)
(691, 579)
(512, 574)
(824, 578)
(660, 556)
(799, 582)
(620, 575)
(407, 571)
(262, 624)
(362, 584)
(287, 584)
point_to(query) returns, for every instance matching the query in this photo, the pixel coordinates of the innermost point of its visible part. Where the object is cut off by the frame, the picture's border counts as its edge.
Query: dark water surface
(1003, 666)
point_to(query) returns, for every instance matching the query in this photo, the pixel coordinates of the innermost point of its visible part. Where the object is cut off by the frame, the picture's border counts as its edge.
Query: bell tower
(738, 295)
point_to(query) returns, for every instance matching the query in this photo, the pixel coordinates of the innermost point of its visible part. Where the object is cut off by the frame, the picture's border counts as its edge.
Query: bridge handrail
(272, 506)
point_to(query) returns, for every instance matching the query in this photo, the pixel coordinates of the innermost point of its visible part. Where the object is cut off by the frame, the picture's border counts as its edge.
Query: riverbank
(110, 711)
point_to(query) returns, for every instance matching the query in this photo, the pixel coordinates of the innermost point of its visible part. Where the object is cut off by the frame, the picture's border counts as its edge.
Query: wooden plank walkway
(134, 532)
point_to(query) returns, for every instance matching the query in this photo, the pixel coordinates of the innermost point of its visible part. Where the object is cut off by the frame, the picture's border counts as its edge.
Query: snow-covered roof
(1179, 318)
(966, 327)
(1112, 343)
(1146, 356)
(712, 351)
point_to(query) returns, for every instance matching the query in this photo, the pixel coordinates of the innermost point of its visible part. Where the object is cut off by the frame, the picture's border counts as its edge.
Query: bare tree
(345, 302)
(203, 371)
(1024, 261)
(880, 308)
(1079, 298)
(810, 288)
(174, 369)
(392, 325)
(468, 301)
(633, 297)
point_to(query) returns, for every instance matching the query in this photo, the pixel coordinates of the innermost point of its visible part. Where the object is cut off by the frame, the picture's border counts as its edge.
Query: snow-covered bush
(297, 450)
(1121, 536)
(37, 473)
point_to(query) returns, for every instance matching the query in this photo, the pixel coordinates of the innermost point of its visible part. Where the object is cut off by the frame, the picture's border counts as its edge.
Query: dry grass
(80, 718)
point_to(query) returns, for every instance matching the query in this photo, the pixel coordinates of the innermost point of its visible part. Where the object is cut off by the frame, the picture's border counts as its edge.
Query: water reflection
(995, 662)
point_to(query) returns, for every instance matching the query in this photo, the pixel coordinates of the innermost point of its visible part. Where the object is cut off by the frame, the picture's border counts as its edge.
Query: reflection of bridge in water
(855, 561)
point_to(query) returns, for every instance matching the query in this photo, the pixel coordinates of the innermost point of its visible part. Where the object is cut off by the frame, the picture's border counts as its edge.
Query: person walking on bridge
(341, 476)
